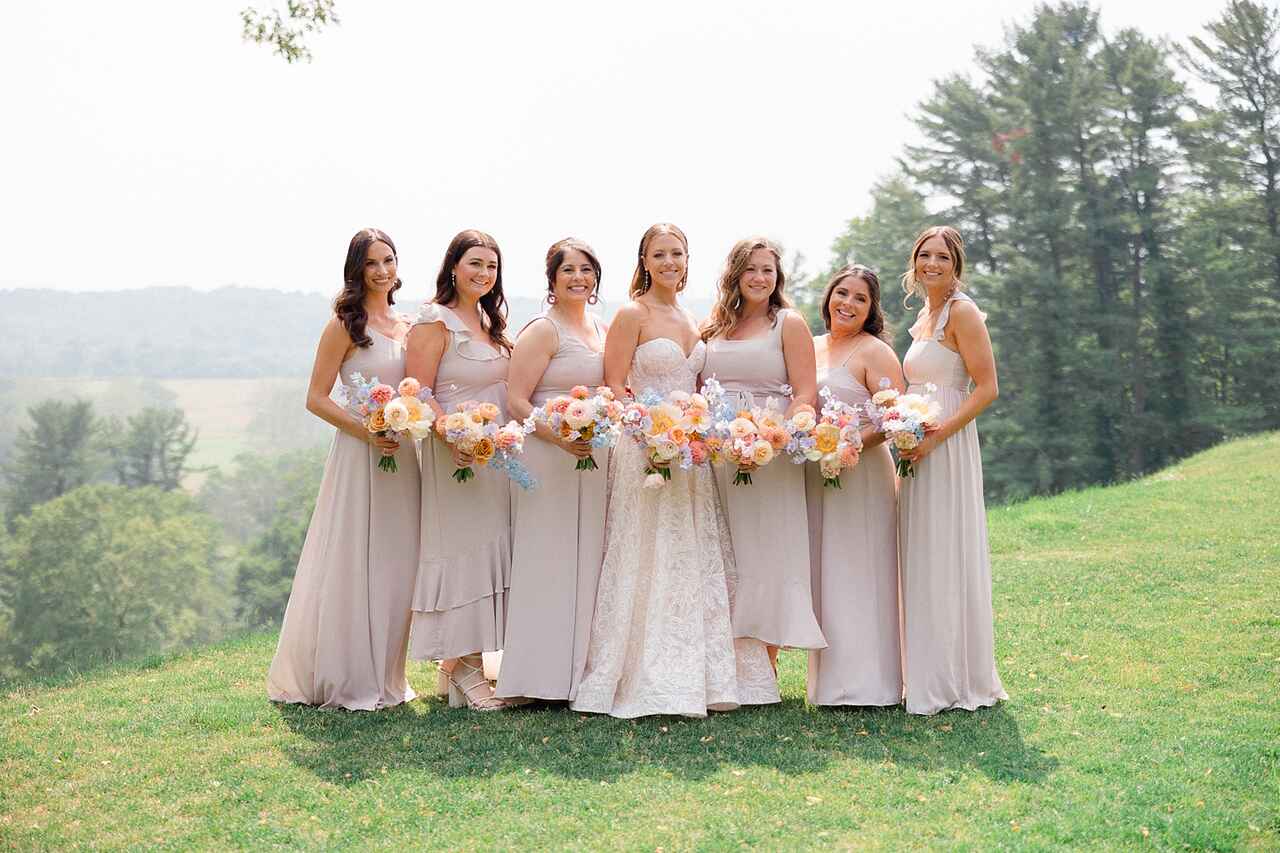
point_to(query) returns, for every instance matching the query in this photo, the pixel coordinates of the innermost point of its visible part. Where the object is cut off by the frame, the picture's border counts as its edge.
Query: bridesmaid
(558, 531)
(342, 644)
(853, 530)
(946, 567)
(756, 346)
(458, 348)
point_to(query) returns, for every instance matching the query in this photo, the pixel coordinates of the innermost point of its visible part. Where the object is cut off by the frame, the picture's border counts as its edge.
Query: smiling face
(935, 266)
(760, 278)
(666, 261)
(476, 272)
(575, 279)
(379, 268)
(849, 305)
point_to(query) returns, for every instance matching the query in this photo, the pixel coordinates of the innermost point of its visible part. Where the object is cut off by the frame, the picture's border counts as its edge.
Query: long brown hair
(494, 303)
(724, 317)
(555, 257)
(874, 324)
(349, 303)
(955, 245)
(639, 278)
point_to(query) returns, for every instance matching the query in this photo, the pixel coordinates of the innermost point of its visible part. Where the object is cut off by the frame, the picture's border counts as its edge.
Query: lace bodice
(660, 365)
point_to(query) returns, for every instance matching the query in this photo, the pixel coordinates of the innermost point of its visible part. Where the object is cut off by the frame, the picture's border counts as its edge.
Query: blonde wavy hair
(724, 317)
(640, 278)
(955, 245)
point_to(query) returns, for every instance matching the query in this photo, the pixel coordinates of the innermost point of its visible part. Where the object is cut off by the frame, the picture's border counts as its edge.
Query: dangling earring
(453, 280)
(551, 299)
(593, 298)
(646, 280)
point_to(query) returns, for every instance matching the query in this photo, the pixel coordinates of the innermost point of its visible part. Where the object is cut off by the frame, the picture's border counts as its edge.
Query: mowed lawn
(1138, 634)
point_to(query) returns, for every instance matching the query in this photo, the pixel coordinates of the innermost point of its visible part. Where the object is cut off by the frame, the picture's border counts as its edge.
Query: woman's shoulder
(434, 312)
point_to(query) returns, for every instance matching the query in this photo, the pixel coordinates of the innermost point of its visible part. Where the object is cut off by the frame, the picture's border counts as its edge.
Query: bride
(661, 640)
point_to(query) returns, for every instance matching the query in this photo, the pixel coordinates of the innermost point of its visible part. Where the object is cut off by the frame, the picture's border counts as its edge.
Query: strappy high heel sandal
(469, 688)
(442, 682)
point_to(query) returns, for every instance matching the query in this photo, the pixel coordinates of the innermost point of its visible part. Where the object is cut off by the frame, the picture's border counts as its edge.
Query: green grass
(1138, 634)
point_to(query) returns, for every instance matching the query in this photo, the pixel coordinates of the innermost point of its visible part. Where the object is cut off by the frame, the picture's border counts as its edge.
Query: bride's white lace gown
(661, 640)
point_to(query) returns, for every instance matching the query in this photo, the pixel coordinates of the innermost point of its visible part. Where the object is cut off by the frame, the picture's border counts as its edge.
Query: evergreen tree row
(1123, 237)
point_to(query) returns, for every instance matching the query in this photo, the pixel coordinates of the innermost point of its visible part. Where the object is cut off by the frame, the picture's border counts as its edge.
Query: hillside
(1138, 634)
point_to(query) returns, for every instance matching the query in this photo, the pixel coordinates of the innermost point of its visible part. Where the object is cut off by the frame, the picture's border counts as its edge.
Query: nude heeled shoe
(469, 688)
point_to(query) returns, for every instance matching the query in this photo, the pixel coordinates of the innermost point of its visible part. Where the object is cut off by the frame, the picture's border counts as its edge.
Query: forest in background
(1123, 237)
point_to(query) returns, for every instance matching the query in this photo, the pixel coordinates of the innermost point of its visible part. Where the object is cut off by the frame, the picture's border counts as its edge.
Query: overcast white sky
(146, 144)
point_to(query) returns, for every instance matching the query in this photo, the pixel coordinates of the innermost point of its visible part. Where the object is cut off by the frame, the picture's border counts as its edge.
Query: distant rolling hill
(177, 332)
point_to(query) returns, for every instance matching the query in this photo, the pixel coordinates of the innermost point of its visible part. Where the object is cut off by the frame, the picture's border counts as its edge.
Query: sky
(147, 144)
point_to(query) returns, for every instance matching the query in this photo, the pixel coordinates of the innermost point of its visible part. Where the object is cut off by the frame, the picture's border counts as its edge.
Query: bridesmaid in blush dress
(558, 529)
(942, 521)
(458, 348)
(756, 348)
(342, 644)
(853, 530)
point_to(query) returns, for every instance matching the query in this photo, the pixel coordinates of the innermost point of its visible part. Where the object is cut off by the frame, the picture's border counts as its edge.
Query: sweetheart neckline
(675, 344)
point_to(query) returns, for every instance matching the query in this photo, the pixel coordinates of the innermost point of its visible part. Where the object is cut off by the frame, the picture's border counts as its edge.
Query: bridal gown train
(662, 640)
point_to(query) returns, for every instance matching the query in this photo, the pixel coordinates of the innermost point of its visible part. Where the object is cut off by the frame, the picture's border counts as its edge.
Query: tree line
(1122, 233)
(104, 557)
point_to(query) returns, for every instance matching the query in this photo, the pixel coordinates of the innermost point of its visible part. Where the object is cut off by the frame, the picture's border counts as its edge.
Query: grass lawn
(1138, 635)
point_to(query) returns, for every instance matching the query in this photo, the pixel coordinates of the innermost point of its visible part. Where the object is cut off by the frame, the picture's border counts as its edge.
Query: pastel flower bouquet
(836, 440)
(751, 437)
(672, 429)
(584, 416)
(904, 419)
(473, 429)
(401, 413)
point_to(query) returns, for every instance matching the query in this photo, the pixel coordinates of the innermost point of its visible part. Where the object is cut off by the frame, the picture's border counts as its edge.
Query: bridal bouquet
(904, 418)
(836, 441)
(676, 428)
(474, 429)
(751, 437)
(400, 412)
(583, 416)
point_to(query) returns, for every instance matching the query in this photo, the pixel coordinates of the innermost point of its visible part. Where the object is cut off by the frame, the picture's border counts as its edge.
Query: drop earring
(453, 280)
(593, 298)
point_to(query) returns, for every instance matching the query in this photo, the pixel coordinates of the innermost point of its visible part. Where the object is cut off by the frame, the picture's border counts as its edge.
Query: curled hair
(555, 257)
(348, 305)
(728, 310)
(494, 303)
(955, 245)
(874, 324)
(639, 281)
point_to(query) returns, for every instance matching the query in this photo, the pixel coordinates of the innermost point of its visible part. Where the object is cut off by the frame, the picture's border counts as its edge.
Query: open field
(1138, 633)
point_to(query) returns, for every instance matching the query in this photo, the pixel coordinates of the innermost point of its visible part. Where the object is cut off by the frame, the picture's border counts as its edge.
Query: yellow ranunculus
(828, 436)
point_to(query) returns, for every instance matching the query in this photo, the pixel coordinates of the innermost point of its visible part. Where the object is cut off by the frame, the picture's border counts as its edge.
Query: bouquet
(400, 412)
(473, 429)
(904, 419)
(675, 428)
(751, 437)
(834, 441)
(583, 416)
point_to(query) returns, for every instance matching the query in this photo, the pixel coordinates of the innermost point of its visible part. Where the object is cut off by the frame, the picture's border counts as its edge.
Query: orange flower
(484, 450)
(377, 421)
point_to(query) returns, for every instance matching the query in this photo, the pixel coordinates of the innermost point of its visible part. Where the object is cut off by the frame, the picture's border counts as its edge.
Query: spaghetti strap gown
(346, 626)
(948, 635)
(464, 569)
(853, 550)
(768, 522)
(661, 640)
(557, 547)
